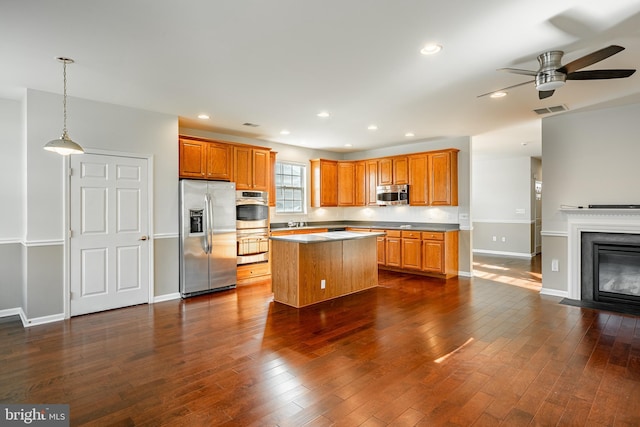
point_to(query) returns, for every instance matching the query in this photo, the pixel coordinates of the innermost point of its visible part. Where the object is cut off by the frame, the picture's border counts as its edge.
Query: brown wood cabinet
(443, 178)
(393, 248)
(346, 183)
(272, 179)
(360, 187)
(251, 168)
(411, 250)
(371, 181)
(440, 253)
(324, 183)
(393, 170)
(433, 253)
(419, 179)
(205, 159)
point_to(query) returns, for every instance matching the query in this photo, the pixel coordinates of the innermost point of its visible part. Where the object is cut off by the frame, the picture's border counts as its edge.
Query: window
(290, 188)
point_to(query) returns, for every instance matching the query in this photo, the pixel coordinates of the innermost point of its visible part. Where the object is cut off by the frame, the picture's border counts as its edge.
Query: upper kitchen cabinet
(393, 170)
(371, 181)
(272, 179)
(251, 166)
(419, 179)
(443, 178)
(351, 183)
(324, 183)
(205, 159)
(193, 158)
(433, 178)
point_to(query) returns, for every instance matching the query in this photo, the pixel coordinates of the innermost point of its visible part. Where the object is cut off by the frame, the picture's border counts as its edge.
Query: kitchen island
(310, 268)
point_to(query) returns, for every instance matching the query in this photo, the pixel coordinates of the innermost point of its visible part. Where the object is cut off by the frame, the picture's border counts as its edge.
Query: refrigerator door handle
(210, 227)
(207, 222)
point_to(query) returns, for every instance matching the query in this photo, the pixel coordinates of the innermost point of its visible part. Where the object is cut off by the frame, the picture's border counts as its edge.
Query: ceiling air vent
(548, 110)
(253, 125)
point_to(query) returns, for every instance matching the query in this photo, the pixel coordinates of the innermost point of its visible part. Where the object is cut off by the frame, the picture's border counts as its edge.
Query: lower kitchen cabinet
(440, 253)
(432, 253)
(393, 249)
(411, 250)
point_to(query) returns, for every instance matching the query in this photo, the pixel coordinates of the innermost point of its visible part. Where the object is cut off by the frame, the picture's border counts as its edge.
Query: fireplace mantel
(593, 220)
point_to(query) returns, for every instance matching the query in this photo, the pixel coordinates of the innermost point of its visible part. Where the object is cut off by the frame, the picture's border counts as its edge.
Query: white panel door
(109, 233)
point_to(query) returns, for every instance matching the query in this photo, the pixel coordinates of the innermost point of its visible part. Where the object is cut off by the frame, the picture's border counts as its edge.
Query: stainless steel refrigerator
(207, 236)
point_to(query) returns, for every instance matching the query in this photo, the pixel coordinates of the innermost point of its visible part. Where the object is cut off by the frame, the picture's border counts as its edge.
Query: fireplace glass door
(617, 269)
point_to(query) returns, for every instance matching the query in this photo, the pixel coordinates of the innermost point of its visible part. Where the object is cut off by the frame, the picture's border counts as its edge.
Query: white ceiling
(277, 63)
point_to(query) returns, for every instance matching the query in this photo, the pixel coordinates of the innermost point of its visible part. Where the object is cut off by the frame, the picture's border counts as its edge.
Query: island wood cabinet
(205, 160)
(324, 183)
(393, 170)
(251, 168)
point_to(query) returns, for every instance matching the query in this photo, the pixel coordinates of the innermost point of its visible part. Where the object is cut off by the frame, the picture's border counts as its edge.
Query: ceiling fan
(552, 74)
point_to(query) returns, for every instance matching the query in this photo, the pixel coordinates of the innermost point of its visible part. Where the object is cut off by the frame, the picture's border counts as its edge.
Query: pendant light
(64, 145)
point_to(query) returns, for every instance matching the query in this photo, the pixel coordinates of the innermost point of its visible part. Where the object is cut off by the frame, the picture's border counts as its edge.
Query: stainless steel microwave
(392, 195)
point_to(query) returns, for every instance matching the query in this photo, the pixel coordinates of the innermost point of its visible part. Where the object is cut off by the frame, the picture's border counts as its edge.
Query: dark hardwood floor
(414, 351)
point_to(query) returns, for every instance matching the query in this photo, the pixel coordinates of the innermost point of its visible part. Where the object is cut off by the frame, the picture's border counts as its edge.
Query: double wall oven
(252, 226)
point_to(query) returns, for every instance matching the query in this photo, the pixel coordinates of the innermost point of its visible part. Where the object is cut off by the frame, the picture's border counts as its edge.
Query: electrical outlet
(504, 239)
(554, 265)
(323, 284)
(494, 238)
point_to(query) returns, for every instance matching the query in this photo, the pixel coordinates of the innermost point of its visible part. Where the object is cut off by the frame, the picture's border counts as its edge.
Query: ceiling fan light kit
(552, 74)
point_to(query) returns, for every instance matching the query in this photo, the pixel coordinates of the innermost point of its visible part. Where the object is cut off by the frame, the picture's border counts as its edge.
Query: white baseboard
(166, 297)
(501, 253)
(11, 312)
(27, 323)
(465, 274)
(554, 292)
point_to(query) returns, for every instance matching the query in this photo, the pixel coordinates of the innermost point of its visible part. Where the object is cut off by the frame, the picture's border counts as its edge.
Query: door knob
(143, 238)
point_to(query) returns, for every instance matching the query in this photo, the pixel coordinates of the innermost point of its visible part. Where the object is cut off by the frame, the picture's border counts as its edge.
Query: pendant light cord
(64, 96)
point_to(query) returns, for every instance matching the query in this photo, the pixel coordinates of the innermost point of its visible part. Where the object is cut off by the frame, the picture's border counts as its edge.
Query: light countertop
(330, 236)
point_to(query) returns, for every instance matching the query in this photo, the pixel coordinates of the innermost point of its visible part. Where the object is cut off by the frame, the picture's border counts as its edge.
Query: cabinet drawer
(432, 235)
(410, 234)
(393, 233)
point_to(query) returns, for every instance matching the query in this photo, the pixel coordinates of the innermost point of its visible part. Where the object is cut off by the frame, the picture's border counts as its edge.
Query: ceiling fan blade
(505, 88)
(599, 74)
(542, 94)
(591, 58)
(519, 71)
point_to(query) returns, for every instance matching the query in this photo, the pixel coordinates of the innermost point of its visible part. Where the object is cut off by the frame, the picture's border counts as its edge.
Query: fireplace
(615, 231)
(610, 268)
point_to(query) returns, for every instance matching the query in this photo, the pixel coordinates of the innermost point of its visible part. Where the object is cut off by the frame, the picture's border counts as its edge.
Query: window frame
(302, 188)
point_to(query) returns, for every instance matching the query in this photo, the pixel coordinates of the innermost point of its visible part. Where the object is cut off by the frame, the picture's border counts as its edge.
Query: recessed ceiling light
(409, 134)
(284, 132)
(430, 49)
(499, 94)
(203, 116)
(372, 127)
(323, 114)
(348, 145)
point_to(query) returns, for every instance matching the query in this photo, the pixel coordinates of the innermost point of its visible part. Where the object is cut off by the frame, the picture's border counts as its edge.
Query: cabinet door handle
(143, 238)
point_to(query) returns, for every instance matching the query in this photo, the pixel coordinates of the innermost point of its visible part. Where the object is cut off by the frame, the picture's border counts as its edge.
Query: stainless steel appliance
(252, 222)
(207, 236)
(392, 195)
